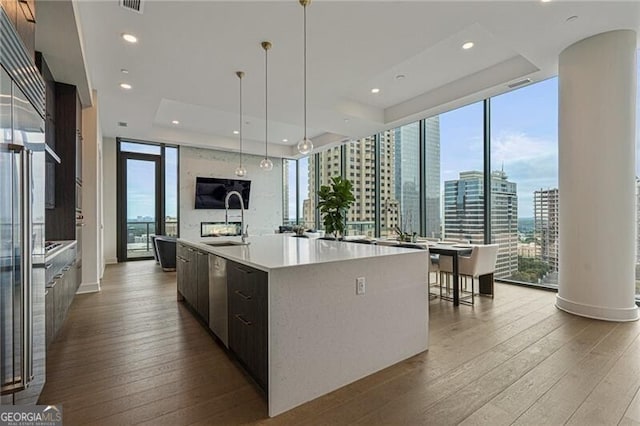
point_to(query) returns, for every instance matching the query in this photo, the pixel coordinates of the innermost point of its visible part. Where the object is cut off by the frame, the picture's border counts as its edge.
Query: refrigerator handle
(27, 280)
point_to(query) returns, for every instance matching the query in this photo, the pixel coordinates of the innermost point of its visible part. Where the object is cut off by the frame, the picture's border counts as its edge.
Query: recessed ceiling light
(375, 90)
(467, 45)
(130, 38)
(545, 1)
(175, 122)
(285, 140)
(235, 132)
(124, 71)
(126, 86)
(572, 18)
(346, 120)
(400, 77)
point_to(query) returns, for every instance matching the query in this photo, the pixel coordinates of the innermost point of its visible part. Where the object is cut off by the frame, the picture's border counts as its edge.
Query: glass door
(142, 207)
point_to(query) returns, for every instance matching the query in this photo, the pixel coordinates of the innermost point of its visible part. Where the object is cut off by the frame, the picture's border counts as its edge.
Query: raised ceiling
(183, 67)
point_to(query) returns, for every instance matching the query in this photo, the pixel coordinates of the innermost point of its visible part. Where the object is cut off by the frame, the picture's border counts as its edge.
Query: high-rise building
(546, 221)
(389, 206)
(432, 177)
(464, 215)
(398, 179)
(285, 191)
(407, 175)
(360, 170)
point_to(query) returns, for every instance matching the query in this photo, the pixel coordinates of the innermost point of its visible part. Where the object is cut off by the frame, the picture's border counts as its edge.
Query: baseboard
(597, 312)
(88, 288)
(111, 261)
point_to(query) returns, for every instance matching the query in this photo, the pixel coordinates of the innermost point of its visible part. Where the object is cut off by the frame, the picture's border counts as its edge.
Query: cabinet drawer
(247, 318)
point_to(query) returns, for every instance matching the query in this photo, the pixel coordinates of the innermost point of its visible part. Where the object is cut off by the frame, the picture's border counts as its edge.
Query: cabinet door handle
(246, 271)
(242, 320)
(48, 265)
(241, 294)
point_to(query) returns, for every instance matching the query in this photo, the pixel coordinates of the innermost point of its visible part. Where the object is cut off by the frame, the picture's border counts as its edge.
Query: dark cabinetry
(62, 283)
(22, 14)
(49, 130)
(192, 266)
(202, 285)
(247, 307)
(61, 221)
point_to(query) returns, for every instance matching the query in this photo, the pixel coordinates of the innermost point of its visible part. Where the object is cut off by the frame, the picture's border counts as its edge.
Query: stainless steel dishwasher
(218, 321)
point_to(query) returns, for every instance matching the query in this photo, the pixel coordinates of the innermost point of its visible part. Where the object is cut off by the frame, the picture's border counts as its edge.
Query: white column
(597, 80)
(90, 147)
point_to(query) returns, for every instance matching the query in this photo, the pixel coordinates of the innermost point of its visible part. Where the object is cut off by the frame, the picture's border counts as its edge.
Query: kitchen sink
(226, 243)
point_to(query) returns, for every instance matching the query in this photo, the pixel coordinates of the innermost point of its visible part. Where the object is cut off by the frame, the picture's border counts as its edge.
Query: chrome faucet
(245, 231)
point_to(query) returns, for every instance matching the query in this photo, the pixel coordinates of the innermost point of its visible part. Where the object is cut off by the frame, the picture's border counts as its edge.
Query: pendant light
(240, 170)
(305, 146)
(266, 164)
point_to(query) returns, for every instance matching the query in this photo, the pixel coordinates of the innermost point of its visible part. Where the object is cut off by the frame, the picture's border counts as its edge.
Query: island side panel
(323, 336)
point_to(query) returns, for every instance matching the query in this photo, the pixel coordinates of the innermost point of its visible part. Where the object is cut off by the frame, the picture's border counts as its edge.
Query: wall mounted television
(211, 192)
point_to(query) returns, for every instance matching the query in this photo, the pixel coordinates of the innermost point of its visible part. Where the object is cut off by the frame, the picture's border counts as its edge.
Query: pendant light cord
(266, 104)
(240, 121)
(305, 71)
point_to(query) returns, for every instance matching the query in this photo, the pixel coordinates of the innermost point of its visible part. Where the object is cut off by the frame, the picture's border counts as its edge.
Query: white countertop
(283, 251)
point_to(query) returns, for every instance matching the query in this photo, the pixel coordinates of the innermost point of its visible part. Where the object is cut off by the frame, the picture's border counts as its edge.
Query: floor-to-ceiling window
(360, 170)
(171, 191)
(322, 167)
(462, 165)
(400, 180)
(525, 206)
(147, 196)
(290, 192)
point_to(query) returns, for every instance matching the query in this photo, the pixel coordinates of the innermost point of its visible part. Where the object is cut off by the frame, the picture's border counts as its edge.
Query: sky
(141, 186)
(524, 140)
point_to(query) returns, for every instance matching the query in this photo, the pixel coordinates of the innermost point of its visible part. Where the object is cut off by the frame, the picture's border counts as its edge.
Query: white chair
(481, 262)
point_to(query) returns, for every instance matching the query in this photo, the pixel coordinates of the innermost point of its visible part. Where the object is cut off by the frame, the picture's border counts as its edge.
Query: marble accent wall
(265, 201)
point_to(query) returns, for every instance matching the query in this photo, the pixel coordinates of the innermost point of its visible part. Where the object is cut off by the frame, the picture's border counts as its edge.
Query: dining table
(453, 250)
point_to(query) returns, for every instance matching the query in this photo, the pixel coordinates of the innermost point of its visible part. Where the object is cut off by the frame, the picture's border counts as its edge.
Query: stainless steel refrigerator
(22, 170)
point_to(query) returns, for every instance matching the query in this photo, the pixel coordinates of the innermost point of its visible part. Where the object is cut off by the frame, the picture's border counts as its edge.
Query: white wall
(265, 200)
(91, 245)
(109, 200)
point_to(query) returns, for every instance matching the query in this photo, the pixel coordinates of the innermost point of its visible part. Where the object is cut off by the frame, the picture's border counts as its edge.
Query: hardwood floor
(132, 354)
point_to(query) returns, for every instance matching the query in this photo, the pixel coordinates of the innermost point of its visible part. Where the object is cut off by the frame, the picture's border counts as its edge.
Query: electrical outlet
(360, 285)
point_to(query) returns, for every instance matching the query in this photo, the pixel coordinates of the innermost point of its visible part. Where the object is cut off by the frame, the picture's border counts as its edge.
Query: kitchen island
(296, 304)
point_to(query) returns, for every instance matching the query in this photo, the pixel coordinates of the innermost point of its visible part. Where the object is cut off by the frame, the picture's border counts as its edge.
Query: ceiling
(183, 66)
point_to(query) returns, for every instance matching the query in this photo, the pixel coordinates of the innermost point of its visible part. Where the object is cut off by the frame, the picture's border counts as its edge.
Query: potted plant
(335, 201)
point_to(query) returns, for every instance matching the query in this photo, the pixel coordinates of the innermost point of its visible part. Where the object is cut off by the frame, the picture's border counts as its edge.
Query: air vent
(520, 83)
(122, 123)
(132, 5)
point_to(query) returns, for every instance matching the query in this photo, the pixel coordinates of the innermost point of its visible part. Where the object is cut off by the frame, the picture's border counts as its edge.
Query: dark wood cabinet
(190, 284)
(60, 222)
(181, 268)
(247, 310)
(192, 266)
(22, 14)
(246, 306)
(49, 129)
(61, 289)
(48, 315)
(50, 100)
(26, 25)
(202, 285)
